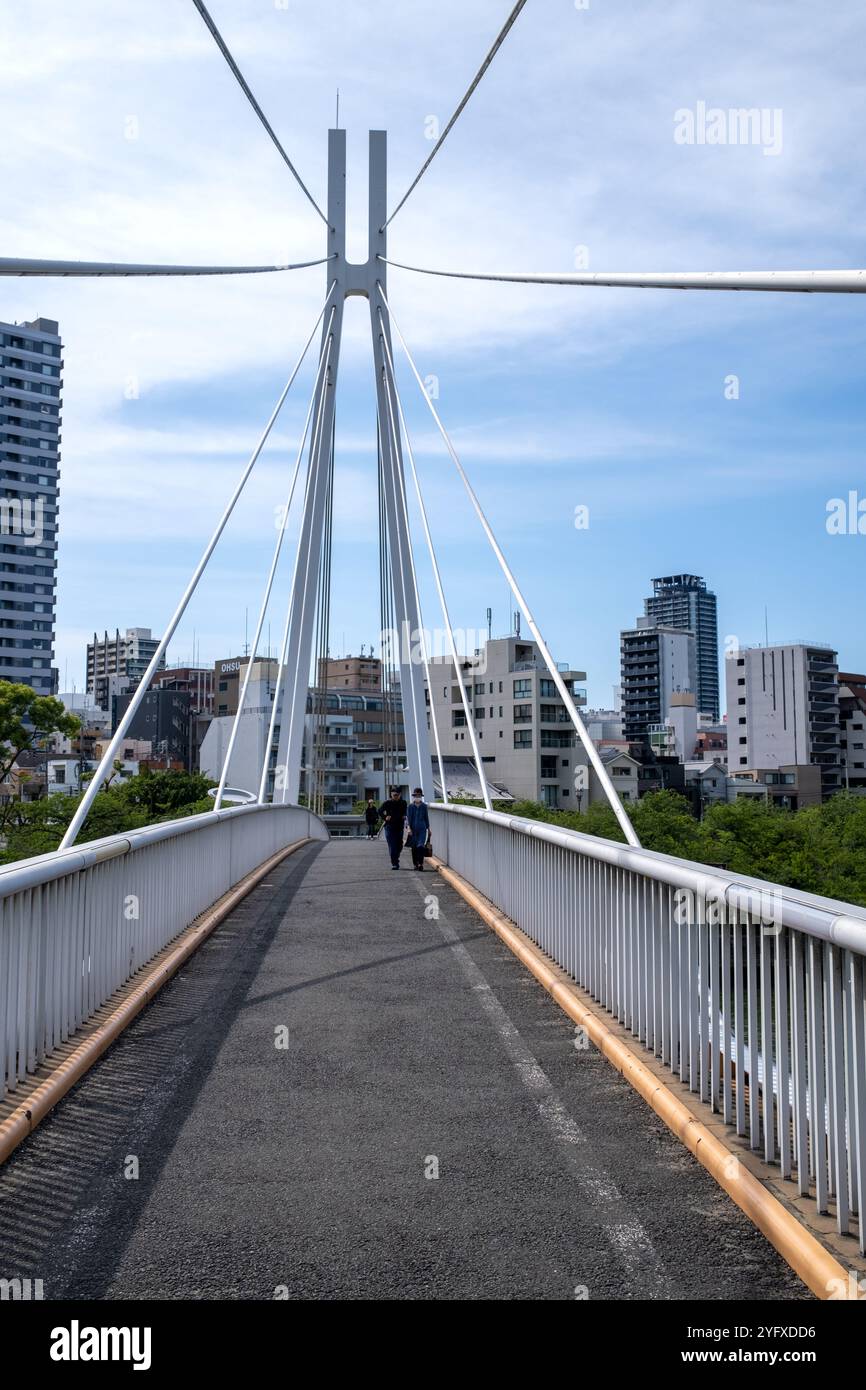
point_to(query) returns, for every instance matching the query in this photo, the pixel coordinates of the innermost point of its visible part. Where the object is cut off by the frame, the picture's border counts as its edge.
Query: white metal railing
(751, 992)
(75, 925)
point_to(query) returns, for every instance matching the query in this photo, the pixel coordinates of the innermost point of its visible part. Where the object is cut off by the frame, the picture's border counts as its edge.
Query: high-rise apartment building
(657, 662)
(852, 711)
(117, 664)
(783, 710)
(684, 601)
(30, 384)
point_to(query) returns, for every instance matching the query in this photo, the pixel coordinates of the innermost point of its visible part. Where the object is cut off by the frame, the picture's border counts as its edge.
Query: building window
(523, 714)
(522, 738)
(479, 712)
(522, 688)
(458, 719)
(546, 688)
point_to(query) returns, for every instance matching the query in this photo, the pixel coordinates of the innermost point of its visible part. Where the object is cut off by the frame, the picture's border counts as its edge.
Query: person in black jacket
(393, 813)
(371, 816)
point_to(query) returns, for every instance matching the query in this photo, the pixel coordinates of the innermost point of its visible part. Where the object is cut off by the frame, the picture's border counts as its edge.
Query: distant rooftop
(679, 581)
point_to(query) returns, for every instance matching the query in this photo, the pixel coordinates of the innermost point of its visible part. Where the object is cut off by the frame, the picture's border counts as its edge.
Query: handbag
(427, 849)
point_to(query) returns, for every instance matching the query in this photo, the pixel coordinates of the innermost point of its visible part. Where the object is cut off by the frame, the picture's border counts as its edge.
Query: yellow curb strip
(17, 1126)
(818, 1269)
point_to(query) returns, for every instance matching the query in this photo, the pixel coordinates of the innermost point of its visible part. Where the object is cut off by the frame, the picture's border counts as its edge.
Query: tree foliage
(819, 849)
(37, 827)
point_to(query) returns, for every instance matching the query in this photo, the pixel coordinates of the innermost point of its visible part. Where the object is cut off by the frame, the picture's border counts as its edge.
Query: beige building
(525, 736)
(228, 676)
(351, 673)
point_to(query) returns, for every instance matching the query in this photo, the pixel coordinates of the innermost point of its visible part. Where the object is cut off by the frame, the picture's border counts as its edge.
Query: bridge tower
(345, 279)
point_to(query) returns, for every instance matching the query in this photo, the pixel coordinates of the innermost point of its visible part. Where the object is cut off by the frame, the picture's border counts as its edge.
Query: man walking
(393, 813)
(371, 816)
(418, 816)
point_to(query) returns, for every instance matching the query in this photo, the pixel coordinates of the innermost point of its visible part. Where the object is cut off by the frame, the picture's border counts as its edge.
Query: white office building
(783, 709)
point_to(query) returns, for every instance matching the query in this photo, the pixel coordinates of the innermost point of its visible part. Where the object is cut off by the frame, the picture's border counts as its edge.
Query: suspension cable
(408, 698)
(563, 692)
(390, 385)
(224, 50)
(790, 281)
(389, 732)
(497, 44)
(468, 714)
(111, 751)
(291, 599)
(15, 265)
(314, 478)
(269, 584)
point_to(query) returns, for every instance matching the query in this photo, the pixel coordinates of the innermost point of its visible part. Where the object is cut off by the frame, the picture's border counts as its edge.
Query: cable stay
(225, 51)
(15, 265)
(114, 746)
(319, 393)
(564, 694)
(494, 49)
(269, 583)
(783, 281)
(434, 564)
(390, 396)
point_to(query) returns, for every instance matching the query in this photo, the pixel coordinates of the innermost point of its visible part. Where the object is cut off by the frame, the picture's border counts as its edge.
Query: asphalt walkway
(353, 1090)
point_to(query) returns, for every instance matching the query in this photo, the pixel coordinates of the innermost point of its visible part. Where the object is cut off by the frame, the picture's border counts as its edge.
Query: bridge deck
(412, 1042)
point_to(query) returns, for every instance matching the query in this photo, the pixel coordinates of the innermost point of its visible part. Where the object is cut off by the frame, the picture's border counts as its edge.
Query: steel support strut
(408, 635)
(291, 692)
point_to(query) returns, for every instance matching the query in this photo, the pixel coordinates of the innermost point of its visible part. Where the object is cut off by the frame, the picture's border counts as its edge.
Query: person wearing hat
(393, 813)
(418, 816)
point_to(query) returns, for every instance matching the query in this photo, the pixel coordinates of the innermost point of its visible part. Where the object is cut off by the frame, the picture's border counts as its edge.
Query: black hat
(419, 791)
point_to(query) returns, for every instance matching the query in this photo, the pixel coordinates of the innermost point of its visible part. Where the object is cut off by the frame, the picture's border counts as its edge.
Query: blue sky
(555, 397)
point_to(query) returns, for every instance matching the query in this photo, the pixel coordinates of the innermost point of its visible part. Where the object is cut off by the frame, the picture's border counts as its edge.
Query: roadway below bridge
(354, 1090)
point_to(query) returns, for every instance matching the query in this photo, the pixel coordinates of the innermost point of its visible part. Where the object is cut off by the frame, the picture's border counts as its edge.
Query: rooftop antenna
(490, 624)
(246, 632)
(766, 628)
(337, 121)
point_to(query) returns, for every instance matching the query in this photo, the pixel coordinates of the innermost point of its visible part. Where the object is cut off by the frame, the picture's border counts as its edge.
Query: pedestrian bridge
(364, 1084)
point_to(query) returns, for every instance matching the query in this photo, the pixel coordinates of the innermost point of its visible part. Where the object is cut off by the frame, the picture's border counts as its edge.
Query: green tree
(27, 720)
(123, 805)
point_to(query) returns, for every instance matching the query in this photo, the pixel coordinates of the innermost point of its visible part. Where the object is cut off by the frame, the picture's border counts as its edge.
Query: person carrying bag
(418, 838)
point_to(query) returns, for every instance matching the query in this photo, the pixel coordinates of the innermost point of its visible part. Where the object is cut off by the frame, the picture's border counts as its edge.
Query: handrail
(45, 868)
(831, 919)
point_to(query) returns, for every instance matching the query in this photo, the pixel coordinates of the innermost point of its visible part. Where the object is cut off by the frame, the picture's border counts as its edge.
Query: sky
(131, 141)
